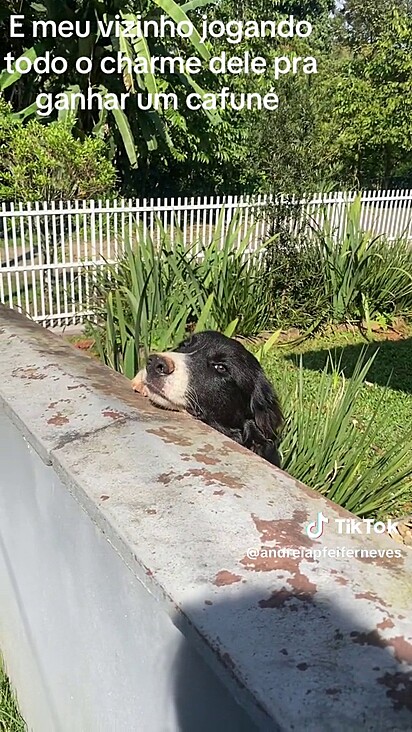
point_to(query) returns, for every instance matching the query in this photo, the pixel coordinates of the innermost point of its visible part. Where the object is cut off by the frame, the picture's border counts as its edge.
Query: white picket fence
(49, 252)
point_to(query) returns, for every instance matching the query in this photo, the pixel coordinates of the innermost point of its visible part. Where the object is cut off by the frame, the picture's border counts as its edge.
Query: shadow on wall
(319, 667)
(393, 364)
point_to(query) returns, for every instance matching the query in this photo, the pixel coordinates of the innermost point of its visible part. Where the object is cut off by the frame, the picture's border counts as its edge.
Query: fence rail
(49, 252)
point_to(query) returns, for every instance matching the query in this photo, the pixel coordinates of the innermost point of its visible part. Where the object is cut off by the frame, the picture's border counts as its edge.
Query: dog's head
(217, 380)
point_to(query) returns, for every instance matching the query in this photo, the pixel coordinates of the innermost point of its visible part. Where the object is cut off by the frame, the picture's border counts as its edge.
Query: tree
(369, 96)
(253, 150)
(365, 20)
(140, 130)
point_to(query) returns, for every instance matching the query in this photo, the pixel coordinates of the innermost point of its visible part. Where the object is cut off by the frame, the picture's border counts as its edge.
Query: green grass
(390, 377)
(10, 718)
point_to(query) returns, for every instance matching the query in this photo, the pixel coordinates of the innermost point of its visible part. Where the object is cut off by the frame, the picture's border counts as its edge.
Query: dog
(218, 381)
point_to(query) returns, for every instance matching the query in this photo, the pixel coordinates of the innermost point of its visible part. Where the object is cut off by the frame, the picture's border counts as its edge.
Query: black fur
(229, 391)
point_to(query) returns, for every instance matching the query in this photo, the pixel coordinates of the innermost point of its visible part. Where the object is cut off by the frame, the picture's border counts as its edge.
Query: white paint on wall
(87, 647)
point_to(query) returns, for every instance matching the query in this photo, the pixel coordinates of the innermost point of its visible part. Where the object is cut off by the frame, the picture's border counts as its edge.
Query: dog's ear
(266, 410)
(261, 433)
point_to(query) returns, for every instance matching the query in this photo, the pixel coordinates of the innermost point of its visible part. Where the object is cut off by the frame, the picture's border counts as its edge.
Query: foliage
(346, 126)
(254, 150)
(326, 448)
(156, 293)
(363, 276)
(286, 152)
(364, 20)
(368, 98)
(45, 162)
(336, 273)
(297, 283)
(138, 130)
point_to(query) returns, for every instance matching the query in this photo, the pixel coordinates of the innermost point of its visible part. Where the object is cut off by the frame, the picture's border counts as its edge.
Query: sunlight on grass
(381, 406)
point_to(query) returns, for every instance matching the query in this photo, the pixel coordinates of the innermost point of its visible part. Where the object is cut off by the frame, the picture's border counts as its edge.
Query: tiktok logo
(315, 529)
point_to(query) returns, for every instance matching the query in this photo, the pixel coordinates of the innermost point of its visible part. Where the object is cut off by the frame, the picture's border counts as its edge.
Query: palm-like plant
(139, 130)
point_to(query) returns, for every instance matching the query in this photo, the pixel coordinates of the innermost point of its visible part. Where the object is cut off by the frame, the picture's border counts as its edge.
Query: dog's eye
(220, 368)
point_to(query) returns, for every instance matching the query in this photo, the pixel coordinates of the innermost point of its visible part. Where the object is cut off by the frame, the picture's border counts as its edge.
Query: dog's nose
(160, 365)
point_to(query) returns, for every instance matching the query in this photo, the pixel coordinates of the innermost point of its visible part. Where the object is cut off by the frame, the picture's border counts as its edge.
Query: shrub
(336, 277)
(8, 126)
(238, 279)
(364, 277)
(296, 283)
(45, 162)
(154, 294)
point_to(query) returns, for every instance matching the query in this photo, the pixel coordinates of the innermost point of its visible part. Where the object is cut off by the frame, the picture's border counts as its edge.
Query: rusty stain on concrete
(28, 373)
(170, 436)
(399, 685)
(58, 419)
(233, 446)
(279, 598)
(401, 648)
(300, 586)
(385, 624)
(52, 405)
(224, 577)
(372, 596)
(113, 414)
(216, 477)
(386, 562)
(207, 454)
(201, 457)
(286, 532)
(166, 478)
(341, 580)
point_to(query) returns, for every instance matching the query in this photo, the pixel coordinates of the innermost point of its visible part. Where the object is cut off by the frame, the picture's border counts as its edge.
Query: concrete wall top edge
(197, 519)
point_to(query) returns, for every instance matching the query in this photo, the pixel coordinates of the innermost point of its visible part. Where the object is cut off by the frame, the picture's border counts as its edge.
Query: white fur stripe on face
(174, 387)
(138, 383)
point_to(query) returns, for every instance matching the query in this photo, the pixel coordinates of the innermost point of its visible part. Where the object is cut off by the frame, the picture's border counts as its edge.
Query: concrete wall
(136, 588)
(87, 644)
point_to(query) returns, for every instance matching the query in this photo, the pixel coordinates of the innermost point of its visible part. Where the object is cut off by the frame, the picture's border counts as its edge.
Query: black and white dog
(218, 381)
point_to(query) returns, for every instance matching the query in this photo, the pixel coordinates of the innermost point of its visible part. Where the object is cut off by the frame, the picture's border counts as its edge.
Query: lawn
(10, 719)
(390, 376)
